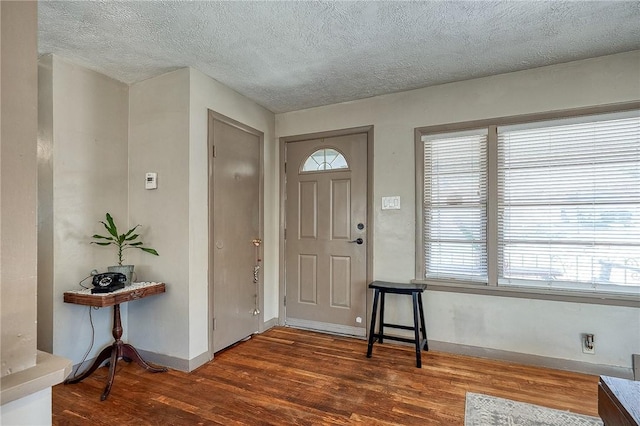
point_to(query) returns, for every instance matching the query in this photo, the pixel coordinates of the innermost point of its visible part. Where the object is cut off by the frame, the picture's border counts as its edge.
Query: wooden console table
(619, 401)
(118, 349)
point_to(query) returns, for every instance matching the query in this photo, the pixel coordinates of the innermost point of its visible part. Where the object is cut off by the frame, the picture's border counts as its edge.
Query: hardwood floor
(293, 377)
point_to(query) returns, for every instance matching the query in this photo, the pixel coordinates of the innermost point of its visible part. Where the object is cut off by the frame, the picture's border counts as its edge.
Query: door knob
(357, 241)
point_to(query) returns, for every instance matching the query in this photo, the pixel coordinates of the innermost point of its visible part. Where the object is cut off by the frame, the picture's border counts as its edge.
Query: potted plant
(123, 242)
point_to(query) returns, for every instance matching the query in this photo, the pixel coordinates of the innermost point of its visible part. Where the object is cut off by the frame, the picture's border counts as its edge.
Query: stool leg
(372, 328)
(423, 328)
(381, 323)
(416, 331)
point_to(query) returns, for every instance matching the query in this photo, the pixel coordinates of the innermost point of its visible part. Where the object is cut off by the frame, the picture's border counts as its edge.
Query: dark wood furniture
(118, 349)
(381, 288)
(619, 401)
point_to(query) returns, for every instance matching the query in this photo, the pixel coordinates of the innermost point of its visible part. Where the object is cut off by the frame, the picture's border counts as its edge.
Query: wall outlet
(391, 203)
(588, 344)
(635, 358)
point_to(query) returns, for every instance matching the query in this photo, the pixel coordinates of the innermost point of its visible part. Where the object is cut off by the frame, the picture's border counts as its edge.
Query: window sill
(535, 293)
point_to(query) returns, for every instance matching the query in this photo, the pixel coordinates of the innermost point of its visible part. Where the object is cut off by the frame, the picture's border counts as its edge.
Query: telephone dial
(108, 282)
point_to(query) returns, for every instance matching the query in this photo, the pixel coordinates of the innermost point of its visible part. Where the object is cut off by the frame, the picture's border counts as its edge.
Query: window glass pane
(569, 204)
(324, 159)
(455, 186)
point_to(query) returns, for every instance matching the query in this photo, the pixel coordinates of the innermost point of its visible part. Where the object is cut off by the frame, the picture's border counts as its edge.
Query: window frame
(465, 202)
(492, 288)
(324, 148)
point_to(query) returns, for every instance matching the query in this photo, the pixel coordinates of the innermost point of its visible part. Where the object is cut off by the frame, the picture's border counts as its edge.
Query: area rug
(485, 410)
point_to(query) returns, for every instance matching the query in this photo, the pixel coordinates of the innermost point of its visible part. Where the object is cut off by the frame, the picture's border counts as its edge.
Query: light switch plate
(391, 203)
(151, 180)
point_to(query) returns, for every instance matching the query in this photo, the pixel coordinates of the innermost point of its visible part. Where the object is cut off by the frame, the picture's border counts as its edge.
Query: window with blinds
(455, 205)
(547, 204)
(569, 203)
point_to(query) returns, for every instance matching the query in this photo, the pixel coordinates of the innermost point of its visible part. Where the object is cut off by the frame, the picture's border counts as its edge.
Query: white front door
(326, 229)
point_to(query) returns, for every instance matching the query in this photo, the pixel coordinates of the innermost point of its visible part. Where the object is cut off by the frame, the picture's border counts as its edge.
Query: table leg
(422, 324)
(381, 322)
(114, 352)
(104, 355)
(113, 362)
(416, 330)
(372, 328)
(129, 352)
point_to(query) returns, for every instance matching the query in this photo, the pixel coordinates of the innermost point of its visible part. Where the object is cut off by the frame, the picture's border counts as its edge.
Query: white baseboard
(344, 330)
(273, 322)
(475, 351)
(174, 362)
(535, 360)
(155, 358)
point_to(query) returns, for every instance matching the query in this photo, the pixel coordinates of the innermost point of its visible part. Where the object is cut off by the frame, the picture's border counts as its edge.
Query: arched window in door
(324, 159)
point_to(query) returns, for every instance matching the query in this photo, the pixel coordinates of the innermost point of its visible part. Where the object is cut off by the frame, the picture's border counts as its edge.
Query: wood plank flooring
(293, 377)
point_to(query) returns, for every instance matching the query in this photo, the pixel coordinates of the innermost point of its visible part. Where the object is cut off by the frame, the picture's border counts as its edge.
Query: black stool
(415, 290)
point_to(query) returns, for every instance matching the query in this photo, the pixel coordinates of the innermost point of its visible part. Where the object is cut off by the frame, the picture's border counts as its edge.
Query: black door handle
(357, 241)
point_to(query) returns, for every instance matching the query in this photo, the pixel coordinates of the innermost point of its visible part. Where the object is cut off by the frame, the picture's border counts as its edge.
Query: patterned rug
(485, 410)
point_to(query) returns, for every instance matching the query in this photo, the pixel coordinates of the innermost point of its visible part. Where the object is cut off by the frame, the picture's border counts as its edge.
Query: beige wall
(97, 138)
(545, 328)
(159, 142)
(27, 375)
(164, 121)
(168, 135)
(207, 93)
(18, 124)
(45, 204)
(83, 173)
(32, 410)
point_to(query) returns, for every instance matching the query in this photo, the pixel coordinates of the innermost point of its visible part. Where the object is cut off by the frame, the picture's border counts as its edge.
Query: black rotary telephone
(108, 282)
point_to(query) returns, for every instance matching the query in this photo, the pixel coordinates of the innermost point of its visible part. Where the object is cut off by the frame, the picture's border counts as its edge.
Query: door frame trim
(283, 191)
(211, 117)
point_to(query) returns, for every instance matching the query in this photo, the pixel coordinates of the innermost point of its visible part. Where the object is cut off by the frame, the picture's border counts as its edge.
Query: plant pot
(127, 270)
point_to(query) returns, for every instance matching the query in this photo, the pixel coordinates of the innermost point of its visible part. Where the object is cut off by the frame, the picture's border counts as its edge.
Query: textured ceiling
(299, 54)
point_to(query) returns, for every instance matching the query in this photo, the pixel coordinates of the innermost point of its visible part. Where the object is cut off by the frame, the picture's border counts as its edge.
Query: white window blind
(455, 206)
(569, 203)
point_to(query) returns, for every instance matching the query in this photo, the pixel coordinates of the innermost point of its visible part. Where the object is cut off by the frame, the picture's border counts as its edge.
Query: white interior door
(235, 220)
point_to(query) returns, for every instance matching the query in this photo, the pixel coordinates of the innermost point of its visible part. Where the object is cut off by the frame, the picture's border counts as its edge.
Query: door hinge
(214, 151)
(285, 233)
(285, 168)
(214, 324)
(285, 300)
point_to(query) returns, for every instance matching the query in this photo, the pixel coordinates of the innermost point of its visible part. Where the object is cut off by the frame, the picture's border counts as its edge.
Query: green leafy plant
(122, 241)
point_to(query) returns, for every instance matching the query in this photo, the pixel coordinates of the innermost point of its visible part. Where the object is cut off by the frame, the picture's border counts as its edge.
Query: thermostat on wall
(151, 180)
